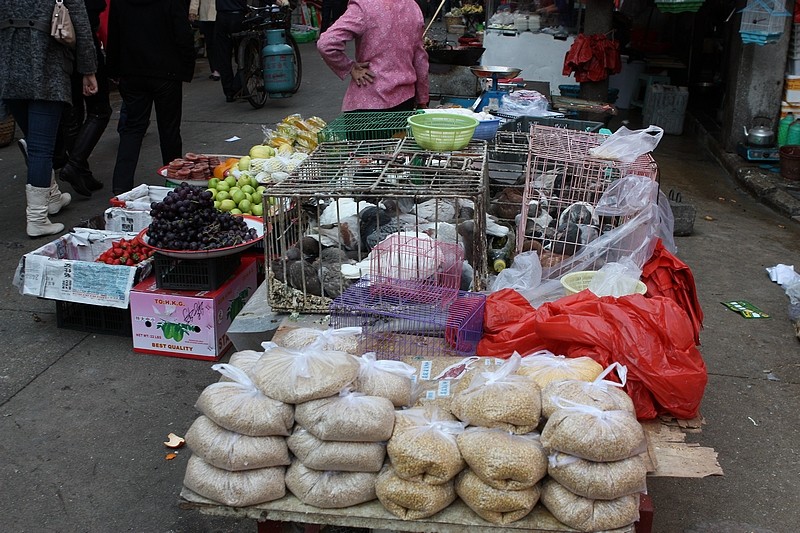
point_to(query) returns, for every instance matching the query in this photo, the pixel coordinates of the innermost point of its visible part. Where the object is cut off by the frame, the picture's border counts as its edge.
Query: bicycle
(249, 56)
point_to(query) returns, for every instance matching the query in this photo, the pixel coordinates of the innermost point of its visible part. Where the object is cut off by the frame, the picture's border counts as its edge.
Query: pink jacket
(388, 35)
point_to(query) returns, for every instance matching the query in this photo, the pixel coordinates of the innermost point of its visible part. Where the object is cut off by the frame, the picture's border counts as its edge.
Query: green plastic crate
(367, 125)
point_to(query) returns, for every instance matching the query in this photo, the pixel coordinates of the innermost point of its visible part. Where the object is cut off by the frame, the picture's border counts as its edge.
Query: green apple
(216, 204)
(248, 189)
(223, 186)
(256, 198)
(227, 205)
(222, 195)
(237, 195)
(231, 181)
(245, 205)
(213, 193)
(236, 211)
(244, 163)
(212, 183)
(257, 210)
(260, 190)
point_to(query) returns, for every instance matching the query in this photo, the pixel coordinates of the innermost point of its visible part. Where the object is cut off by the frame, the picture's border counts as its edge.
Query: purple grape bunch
(187, 220)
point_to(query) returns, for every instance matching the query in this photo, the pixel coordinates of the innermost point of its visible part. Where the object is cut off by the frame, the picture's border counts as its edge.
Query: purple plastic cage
(416, 268)
(395, 327)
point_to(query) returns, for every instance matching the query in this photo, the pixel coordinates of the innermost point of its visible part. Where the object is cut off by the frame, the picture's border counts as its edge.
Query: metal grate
(360, 126)
(350, 195)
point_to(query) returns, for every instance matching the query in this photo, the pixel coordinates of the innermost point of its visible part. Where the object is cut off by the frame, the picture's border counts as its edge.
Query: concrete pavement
(83, 417)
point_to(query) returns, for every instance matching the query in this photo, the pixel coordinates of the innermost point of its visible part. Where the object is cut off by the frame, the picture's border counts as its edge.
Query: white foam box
(65, 269)
(130, 211)
(665, 106)
(189, 324)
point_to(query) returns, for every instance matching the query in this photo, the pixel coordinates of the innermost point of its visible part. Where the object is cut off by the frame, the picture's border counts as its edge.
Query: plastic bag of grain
(339, 340)
(412, 500)
(237, 489)
(423, 447)
(390, 379)
(244, 360)
(601, 393)
(585, 514)
(238, 405)
(296, 376)
(332, 455)
(350, 416)
(544, 367)
(599, 480)
(329, 489)
(593, 434)
(500, 399)
(231, 451)
(503, 460)
(495, 505)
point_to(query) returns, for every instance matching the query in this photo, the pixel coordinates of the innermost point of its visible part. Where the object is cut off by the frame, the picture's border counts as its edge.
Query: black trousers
(139, 96)
(227, 23)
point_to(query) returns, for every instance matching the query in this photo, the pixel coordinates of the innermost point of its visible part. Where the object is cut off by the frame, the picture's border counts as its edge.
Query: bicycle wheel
(298, 62)
(253, 74)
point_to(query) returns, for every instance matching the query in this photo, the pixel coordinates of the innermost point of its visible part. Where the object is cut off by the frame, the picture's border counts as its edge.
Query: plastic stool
(645, 80)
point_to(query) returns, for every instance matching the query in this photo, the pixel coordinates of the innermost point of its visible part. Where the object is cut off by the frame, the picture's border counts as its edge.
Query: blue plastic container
(486, 129)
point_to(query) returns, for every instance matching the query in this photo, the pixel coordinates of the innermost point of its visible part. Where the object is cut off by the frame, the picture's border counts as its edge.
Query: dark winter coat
(33, 66)
(151, 39)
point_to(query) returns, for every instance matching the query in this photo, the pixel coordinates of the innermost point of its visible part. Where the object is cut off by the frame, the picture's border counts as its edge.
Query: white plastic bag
(627, 145)
(524, 274)
(616, 279)
(392, 380)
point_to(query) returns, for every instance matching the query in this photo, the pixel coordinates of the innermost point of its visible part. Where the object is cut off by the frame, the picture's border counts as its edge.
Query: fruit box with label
(130, 211)
(188, 324)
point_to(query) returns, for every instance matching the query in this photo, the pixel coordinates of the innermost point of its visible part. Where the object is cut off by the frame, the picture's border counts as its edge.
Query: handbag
(61, 28)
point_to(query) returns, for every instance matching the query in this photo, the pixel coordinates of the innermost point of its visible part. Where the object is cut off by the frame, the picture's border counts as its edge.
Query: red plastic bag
(652, 337)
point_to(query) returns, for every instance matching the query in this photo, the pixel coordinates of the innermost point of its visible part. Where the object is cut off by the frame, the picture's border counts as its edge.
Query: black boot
(77, 169)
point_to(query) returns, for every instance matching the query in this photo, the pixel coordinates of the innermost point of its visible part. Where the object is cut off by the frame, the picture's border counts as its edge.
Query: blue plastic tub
(486, 129)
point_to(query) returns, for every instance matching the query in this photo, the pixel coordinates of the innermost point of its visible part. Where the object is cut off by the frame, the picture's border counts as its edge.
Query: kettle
(760, 135)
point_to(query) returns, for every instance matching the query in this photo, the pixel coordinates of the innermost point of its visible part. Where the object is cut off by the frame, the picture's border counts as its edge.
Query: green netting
(366, 125)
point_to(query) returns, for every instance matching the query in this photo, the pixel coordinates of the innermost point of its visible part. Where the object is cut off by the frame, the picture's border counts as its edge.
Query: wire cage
(416, 268)
(563, 185)
(348, 196)
(763, 21)
(395, 327)
(359, 126)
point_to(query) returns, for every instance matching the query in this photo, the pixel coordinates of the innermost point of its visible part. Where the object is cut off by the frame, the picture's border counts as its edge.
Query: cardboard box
(130, 211)
(65, 269)
(187, 324)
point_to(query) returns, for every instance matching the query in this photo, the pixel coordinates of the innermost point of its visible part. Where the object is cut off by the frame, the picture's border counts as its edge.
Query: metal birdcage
(348, 196)
(763, 21)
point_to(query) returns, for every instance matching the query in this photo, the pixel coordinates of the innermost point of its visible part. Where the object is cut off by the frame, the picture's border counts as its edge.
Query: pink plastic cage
(394, 326)
(416, 268)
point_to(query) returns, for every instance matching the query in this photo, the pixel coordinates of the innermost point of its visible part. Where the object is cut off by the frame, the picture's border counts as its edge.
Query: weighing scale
(758, 153)
(491, 98)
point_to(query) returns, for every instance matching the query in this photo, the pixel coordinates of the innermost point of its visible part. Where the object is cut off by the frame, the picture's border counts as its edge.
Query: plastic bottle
(793, 137)
(501, 251)
(783, 129)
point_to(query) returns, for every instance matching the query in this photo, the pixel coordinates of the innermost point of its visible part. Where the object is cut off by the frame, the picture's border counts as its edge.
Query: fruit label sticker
(746, 309)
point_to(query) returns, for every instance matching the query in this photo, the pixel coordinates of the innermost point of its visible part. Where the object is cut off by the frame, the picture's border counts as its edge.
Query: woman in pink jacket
(390, 70)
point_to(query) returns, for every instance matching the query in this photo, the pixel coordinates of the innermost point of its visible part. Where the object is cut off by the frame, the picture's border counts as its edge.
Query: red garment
(592, 58)
(652, 337)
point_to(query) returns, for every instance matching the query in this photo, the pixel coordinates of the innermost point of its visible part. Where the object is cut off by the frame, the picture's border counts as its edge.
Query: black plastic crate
(194, 274)
(93, 318)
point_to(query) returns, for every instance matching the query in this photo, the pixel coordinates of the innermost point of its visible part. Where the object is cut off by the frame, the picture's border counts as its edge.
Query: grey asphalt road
(83, 417)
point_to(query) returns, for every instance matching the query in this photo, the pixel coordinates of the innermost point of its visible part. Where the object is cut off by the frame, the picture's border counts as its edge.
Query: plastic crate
(574, 91)
(665, 106)
(93, 318)
(194, 274)
(523, 124)
(361, 126)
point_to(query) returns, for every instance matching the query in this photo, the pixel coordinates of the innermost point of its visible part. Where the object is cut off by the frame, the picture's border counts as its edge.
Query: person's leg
(207, 29)
(168, 99)
(71, 122)
(224, 26)
(138, 106)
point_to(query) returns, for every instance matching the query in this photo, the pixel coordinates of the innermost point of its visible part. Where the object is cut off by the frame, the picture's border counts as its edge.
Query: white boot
(57, 199)
(36, 212)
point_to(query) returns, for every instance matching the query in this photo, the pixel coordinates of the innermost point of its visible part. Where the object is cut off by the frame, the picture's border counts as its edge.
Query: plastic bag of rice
(503, 460)
(423, 447)
(585, 514)
(244, 360)
(599, 481)
(237, 489)
(231, 451)
(389, 379)
(594, 434)
(296, 376)
(329, 489)
(601, 393)
(412, 500)
(350, 416)
(238, 405)
(495, 505)
(339, 340)
(500, 399)
(544, 367)
(332, 455)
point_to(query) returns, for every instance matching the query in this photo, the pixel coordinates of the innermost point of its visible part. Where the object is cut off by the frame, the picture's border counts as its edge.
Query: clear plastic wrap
(601, 393)
(389, 379)
(585, 514)
(412, 500)
(495, 505)
(599, 480)
(350, 417)
(332, 455)
(503, 460)
(544, 367)
(330, 489)
(237, 489)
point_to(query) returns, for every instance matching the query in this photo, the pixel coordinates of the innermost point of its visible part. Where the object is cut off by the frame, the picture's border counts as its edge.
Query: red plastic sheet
(652, 337)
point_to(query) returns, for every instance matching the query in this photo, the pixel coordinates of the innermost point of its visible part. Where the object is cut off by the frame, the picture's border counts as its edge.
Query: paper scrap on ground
(232, 139)
(783, 274)
(746, 309)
